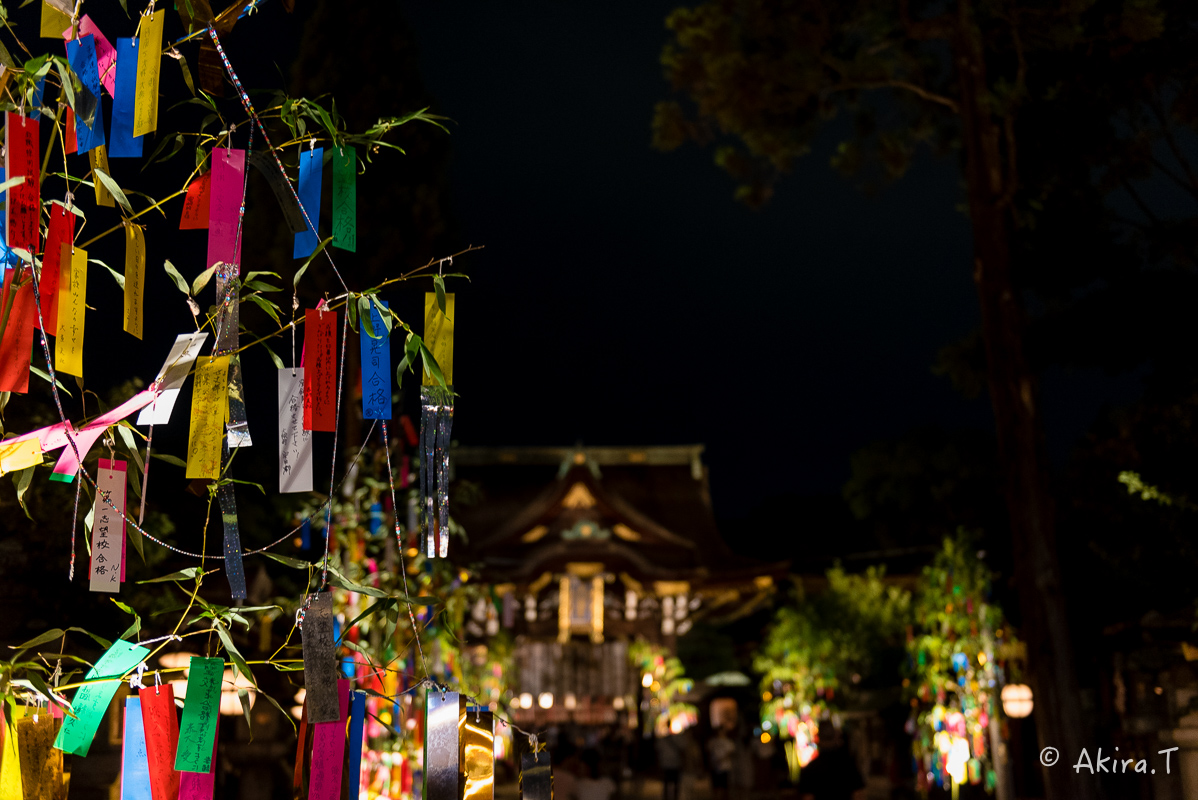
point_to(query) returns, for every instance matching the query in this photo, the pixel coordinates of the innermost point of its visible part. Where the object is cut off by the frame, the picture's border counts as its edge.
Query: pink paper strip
(224, 205)
(200, 785)
(328, 751)
(134, 403)
(68, 466)
(105, 53)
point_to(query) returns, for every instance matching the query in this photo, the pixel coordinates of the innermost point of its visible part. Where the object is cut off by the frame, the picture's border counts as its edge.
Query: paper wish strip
(135, 272)
(209, 410)
(108, 527)
(196, 202)
(536, 776)
(122, 143)
(89, 119)
(72, 303)
(225, 193)
(345, 198)
(60, 231)
(53, 21)
(98, 159)
(160, 723)
(477, 755)
(149, 59)
(443, 713)
(197, 731)
(105, 54)
(295, 443)
(309, 194)
(357, 723)
(376, 368)
(22, 204)
(328, 750)
(234, 567)
(16, 349)
(92, 699)
(41, 764)
(320, 370)
(171, 377)
(200, 785)
(320, 660)
(10, 757)
(135, 769)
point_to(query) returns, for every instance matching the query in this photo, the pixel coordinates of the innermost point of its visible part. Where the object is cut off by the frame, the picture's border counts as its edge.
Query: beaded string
(249, 110)
(403, 567)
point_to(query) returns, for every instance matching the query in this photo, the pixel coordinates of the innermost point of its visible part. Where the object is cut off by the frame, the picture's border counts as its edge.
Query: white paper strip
(108, 527)
(174, 372)
(295, 443)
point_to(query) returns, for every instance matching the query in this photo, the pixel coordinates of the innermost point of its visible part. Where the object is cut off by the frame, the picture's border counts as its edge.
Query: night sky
(625, 298)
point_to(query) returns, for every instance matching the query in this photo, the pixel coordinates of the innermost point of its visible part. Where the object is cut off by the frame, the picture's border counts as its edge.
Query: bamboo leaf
(176, 277)
(202, 279)
(439, 286)
(113, 189)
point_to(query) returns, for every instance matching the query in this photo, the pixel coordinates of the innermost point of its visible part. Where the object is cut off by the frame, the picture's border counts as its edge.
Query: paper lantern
(1017, 700)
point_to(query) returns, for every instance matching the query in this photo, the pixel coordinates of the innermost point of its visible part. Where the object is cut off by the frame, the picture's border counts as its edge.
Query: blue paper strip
(7, 257)
(306, 535)
(81, 53)
(39, 91)
(135, 767)
(376, 518)
(376, 369)
(124, 144)
(309, 195)
(357, 716)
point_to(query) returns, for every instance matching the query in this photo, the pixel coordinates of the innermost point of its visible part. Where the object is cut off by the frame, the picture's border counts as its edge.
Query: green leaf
(64, 75)
(191, 87)
(381, 605)
(294, 563)
(175, 460)
(202, 279)
(176, 277)
(244, 696)
(11, 182)
(249, 276)
(234, 653)
(431, 367)
(190, 572)
(299, 273)
(384, 314)
(260, 286)
(439, 285)
(113, 189)
(118, 277)
(342, 582)
(48, 636)
(126, 433)
(21, 481)
(100, 640)
(41, 373)
(275, 703)
(270, 308)
(367, 321)
(273, 356)
(351, 310)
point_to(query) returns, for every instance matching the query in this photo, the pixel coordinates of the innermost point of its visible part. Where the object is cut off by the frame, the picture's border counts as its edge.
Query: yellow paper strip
(149, 58)
(72, 301)
(209, 410)
(54, 22)
(98, 156)
(19, 455)
(135, 272)
(438, 336)
(10, 768)
(41, 764)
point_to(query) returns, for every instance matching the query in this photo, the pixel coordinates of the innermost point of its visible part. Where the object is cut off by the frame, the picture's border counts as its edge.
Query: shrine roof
(641, 510)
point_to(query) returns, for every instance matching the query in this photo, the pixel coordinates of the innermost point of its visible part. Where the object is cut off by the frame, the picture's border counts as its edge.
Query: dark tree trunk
(1013, 393)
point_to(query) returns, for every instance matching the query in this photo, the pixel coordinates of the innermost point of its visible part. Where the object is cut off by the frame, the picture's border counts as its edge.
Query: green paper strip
(92, 699)
(345, 198)
(200, 711)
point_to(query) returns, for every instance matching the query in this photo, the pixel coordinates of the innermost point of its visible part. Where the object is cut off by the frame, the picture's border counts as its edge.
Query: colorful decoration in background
(664, 680)
(954, 671)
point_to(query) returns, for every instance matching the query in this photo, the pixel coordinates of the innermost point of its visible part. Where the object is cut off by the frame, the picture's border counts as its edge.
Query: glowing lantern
(1017, 700)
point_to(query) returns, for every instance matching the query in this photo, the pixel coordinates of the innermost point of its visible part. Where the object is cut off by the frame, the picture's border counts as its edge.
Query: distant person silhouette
(833, 775)
(670, 751)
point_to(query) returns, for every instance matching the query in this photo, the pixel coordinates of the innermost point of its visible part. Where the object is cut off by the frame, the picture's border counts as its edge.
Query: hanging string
(403, 567)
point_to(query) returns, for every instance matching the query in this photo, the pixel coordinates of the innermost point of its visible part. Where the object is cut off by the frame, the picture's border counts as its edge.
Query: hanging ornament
(436, 423)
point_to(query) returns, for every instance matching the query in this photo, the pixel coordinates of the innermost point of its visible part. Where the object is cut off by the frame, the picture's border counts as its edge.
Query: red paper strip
(22, 209)
(17, 346)
(62, 230)
(200, 785)
(72, 141)
(195, 204)
(162, 738)
(320, 370)
(300, 749)
(328, 751)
